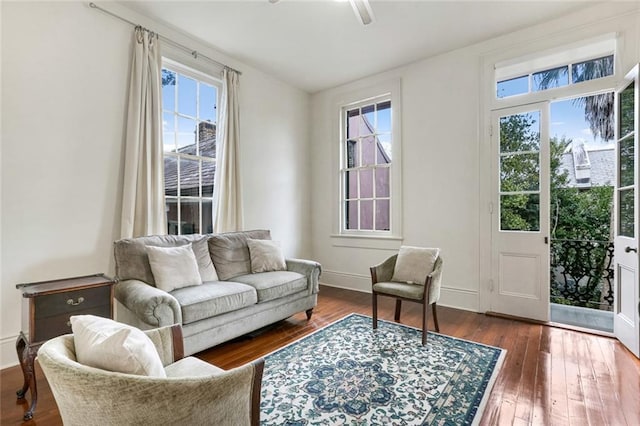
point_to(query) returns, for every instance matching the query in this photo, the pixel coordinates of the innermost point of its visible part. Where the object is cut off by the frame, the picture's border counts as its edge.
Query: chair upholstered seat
(408, 291)
(192, 367)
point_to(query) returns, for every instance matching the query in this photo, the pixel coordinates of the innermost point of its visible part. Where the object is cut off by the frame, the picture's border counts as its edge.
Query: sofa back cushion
(132, 261)
(230, 252)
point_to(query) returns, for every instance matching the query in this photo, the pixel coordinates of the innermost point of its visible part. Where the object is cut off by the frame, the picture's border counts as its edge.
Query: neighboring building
(589, 167)
(190, 184)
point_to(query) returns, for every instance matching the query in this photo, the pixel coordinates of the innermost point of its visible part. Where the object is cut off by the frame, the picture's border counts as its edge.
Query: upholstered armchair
(194, 391)
(427, 293)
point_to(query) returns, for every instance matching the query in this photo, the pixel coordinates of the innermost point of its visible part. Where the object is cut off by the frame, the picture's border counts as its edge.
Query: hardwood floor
(551, 376)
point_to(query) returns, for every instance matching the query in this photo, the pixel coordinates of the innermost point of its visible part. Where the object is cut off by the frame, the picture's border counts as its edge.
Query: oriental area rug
(348, 374)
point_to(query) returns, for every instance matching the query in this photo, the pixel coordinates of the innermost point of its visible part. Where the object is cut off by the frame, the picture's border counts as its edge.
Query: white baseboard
(449, 296)
(8, 356)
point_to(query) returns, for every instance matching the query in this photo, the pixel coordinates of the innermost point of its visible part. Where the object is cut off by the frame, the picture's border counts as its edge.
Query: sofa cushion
(230, 252)
(174, 267)
(132, 261)
(213, 298)
(274, 285)
(266, 256)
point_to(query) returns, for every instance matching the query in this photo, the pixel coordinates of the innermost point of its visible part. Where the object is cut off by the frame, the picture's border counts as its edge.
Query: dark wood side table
(46, 309)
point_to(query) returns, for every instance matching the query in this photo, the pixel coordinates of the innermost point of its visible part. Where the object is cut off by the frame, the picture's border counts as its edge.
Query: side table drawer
(59, 324)
(70, 301)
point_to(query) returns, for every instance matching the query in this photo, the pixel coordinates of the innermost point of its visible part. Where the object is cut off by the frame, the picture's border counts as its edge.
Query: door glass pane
(626, 161)
(627, 117)
(520, 212)
(520, 132)
(626, 213)
(520, 172)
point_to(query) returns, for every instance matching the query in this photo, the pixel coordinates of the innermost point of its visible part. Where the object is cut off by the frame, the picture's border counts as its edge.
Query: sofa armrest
(383, 272)
(168, 342)
(150, 304)
(309, 269)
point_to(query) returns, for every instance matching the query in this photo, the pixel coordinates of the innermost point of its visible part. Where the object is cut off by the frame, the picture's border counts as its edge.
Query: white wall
(444, 154)
(64, 80)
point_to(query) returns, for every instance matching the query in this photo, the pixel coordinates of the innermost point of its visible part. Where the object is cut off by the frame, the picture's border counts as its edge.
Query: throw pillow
(266, 256)
(414, 264)
(174, 267)
(205, 265)
(110, 345)
(230, 253)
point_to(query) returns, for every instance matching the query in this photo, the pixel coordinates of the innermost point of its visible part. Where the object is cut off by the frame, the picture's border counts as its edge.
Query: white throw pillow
(174, 267)
(266, 256)
(414, 264)
(113, 346)
(205, 265)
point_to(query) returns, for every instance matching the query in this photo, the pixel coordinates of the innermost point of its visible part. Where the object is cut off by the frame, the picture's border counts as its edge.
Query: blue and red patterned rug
(348, 374)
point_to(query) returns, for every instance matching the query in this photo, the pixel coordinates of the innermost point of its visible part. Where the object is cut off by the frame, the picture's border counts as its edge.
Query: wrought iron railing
(582, 273)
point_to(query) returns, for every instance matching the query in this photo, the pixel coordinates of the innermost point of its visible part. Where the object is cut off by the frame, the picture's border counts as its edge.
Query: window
(190, 117)
(366, 172)
(556, 77)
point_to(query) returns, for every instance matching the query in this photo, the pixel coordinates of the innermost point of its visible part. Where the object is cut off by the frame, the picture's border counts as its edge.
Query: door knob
(628, 249)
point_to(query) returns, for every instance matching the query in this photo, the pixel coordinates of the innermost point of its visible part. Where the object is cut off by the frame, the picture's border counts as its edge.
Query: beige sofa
(215, 311)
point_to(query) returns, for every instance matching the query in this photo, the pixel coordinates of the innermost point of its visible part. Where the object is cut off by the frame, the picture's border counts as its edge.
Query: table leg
(27, 355)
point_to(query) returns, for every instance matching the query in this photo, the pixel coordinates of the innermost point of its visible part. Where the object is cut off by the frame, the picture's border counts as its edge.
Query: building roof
(589, 167)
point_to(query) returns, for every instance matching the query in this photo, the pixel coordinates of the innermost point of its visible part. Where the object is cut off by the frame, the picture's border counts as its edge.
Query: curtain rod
(192, 52)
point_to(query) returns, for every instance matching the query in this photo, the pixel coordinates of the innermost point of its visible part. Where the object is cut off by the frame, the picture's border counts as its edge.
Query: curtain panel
(227, 195)
(143, 204)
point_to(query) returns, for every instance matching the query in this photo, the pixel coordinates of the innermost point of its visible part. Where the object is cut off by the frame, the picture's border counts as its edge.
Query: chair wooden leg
(424, 324)
(374, 304)
(398, 306)
(435, 317)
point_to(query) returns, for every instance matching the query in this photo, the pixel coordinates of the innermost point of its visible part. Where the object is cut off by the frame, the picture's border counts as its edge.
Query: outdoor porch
(578, 316)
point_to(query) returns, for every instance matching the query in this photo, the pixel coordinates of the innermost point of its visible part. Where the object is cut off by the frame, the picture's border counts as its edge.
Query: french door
(520, 211)
(627, 279)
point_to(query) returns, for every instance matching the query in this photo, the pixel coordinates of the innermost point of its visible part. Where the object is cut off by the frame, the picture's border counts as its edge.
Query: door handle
(628, 249)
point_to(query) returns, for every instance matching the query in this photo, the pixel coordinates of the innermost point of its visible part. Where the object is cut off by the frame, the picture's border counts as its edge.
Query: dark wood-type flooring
(551, 376)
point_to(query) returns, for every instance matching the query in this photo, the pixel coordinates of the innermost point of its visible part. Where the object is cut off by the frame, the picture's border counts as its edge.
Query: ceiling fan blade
(363, 11)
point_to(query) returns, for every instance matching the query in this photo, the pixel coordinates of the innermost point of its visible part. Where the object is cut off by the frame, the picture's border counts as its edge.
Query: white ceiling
(316, 45)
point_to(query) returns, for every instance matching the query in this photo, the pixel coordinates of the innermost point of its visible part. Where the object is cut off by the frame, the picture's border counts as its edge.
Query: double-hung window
(369, 186)
(190, 117)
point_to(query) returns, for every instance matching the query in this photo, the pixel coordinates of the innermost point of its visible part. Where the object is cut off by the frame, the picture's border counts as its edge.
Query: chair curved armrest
(229, 398)
(150, 304)
(383, 271)
(435, 279)
(168, 342)
(309, 269)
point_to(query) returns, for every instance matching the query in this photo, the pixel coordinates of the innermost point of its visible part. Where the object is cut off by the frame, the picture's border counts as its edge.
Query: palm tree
(598, 109)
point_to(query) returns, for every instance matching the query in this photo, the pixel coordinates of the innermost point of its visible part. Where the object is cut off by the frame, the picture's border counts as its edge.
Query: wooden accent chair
(425, 294)
(194, 391)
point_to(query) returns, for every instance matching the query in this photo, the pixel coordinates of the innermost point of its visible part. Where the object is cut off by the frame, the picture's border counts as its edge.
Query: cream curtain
(227, 197)
(143, 206)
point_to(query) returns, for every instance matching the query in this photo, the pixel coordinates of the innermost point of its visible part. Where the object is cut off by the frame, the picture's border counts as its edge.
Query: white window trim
(217, 83)
(359, 238)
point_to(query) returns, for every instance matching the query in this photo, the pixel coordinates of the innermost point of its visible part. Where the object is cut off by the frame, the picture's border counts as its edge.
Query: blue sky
(567, 119)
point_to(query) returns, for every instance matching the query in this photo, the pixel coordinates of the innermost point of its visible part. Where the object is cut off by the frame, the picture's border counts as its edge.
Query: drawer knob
(74, 303)
(68, 323)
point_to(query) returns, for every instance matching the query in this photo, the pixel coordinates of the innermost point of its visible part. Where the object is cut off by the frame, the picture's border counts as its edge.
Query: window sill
(378, 242)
